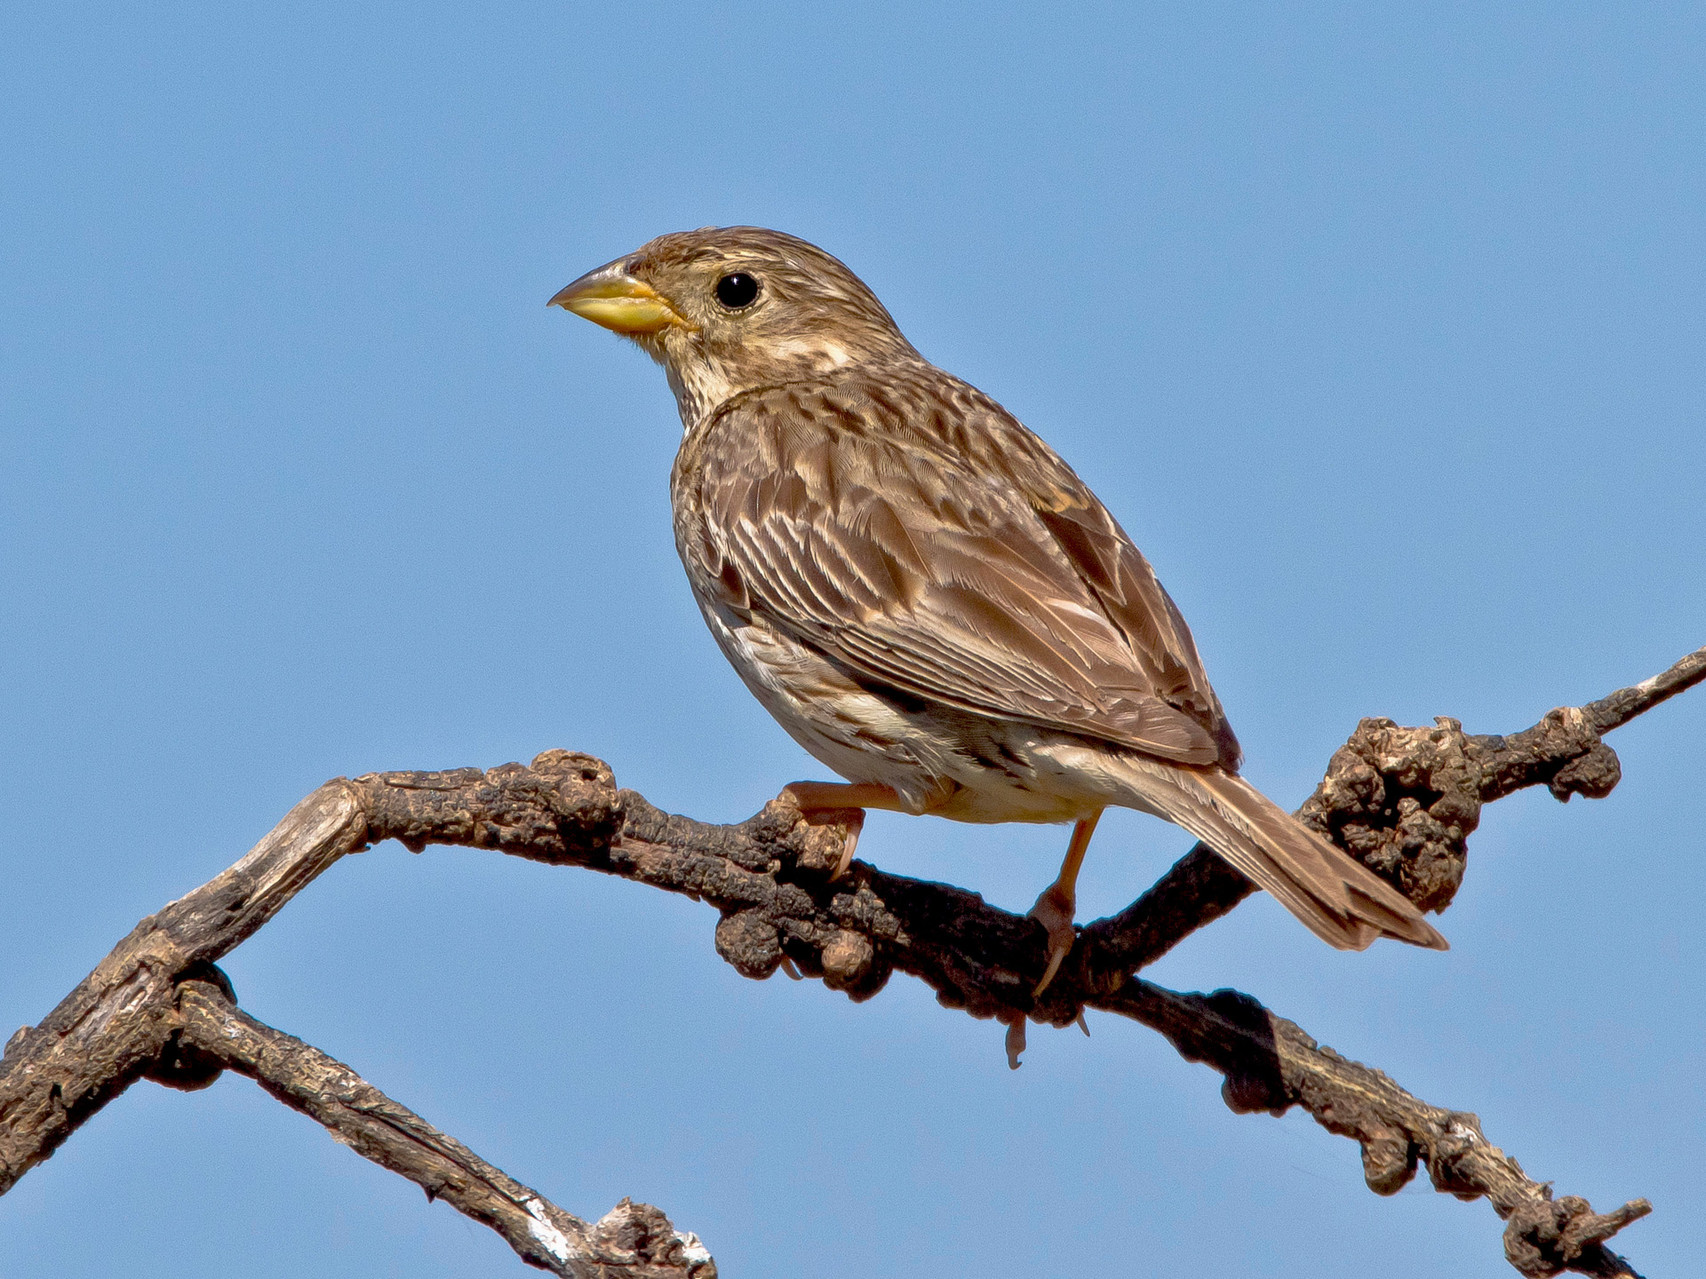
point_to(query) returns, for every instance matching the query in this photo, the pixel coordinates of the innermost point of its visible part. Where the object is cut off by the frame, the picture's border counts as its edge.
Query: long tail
(1340, 900)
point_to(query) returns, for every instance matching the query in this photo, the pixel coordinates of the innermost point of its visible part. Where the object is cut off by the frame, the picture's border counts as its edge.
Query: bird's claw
(1015, 1042)
(827, 802)
(849, 845)
(1054, 911)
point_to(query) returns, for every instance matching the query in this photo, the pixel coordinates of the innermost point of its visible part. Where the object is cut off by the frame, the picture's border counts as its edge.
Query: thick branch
(107, 1031)
(1402, 799)
(157, 1007)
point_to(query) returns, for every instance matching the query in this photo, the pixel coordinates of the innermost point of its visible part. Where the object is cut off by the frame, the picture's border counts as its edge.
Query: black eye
(737, 290)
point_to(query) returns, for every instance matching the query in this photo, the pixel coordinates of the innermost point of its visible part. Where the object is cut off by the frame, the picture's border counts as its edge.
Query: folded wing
(920, 572)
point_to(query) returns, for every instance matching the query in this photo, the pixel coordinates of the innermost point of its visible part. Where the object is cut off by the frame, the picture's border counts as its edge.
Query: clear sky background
(1381, 332)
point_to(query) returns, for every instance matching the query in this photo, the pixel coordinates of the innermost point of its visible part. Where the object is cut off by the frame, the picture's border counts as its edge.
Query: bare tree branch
(116, 1023)
(1403, 799)
(1617, 709)
(157, 1007)
(1271, 1064)
(631, 1240)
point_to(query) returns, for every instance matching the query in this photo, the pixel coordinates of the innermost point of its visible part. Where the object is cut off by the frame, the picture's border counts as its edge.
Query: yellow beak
(620, 302)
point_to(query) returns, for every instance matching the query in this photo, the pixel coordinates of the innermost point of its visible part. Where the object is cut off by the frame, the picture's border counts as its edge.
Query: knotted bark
(1405, 800)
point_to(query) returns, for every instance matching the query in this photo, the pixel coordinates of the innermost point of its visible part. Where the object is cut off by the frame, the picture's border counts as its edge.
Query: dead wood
(1403, 799)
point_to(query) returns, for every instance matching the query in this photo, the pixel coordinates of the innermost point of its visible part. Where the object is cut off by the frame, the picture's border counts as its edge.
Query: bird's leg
(1055, 908)
(816, 797)
(822, 797)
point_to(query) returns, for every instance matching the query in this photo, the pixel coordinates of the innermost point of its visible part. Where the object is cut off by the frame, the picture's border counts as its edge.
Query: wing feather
(919, 568)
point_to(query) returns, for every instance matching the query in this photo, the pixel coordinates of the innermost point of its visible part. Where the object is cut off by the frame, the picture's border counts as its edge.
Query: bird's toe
(1054, 911)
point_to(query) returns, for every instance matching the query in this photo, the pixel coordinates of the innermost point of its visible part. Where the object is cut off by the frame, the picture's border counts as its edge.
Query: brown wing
(1116, 572)
(916, 569)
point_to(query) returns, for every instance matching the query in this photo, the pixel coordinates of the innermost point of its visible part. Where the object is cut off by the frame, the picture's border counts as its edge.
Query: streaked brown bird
(924, 594)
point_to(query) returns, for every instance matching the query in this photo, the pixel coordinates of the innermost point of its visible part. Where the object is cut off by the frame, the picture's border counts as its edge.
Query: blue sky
(1381, 332)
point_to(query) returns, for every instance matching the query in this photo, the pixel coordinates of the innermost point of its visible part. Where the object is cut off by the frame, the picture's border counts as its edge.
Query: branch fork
(1405, 800)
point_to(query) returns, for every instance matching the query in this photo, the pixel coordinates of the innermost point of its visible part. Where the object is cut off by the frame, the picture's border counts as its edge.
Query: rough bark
(1403, 799)
(157, 1007)
(631, 1240)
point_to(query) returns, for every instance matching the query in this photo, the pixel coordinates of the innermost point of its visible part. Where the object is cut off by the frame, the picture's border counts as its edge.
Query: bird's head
(732, 309)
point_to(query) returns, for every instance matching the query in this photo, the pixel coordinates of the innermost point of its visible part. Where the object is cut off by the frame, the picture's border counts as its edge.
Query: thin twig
(1563, 751)
(1626, 703)
(633, 1240)
(1270, 1064)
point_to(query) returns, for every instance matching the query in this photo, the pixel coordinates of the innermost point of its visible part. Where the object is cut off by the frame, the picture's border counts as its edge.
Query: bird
(925, 596)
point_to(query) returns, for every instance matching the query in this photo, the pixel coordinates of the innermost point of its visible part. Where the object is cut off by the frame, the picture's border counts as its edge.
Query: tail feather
(1340, 900)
